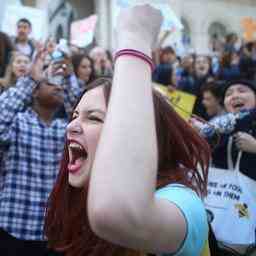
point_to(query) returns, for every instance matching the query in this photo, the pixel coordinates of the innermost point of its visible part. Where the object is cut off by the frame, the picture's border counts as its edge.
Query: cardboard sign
(82, 31)
(170, 22)
(37, 17)
(249, 28)
(182, 102)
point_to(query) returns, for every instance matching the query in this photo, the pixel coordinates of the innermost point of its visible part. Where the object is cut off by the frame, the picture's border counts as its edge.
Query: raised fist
(138, 26)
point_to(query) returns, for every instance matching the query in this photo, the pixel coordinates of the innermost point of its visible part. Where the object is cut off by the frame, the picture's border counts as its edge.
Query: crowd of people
(143, 191)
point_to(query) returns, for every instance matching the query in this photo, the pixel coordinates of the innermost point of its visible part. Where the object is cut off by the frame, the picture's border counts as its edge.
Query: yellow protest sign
(182, 102)
(249, 27)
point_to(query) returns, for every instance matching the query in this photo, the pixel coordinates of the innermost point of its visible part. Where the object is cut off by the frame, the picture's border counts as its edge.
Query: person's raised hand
(38, 64)
(138, 28)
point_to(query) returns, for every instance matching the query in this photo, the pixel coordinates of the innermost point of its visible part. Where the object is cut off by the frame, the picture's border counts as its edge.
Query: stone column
(2, 11)
(104, 23)
(43, 5)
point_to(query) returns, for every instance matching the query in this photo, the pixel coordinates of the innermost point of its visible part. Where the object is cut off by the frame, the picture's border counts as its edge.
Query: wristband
(137, 54)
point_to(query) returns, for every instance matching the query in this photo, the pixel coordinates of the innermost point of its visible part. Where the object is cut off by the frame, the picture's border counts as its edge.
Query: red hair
(183, 157)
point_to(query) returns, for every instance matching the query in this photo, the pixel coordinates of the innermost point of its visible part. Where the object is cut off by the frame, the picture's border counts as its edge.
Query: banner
(37, 17)
(170, 22)
(82, 31)
(182, 102)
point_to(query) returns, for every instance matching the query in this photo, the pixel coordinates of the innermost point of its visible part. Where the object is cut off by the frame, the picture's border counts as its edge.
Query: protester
(185, 71)
(164, 72)
(102, 64)
(83, 68)
(163, 75)
(229, 66)
(168, 55)
(22, 42)
(19, 66)
(6, 48)
(247, 63)
(31, 143)
(231, 43)
(212, 98)
(120, 209)
(240, 96)
(235, 152)
(240, 104)
(225, 116)
(192, 83)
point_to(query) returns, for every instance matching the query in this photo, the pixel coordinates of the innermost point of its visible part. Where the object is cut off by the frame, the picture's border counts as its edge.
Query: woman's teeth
(238, 105)
(74, 145)
(77, 156)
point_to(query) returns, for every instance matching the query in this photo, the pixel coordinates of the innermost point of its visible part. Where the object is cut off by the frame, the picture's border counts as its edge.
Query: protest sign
(249, 28)
(182, 102)
(82, 31)
(37, 17)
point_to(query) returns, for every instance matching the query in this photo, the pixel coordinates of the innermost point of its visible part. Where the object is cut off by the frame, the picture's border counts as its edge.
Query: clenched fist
(138, 28)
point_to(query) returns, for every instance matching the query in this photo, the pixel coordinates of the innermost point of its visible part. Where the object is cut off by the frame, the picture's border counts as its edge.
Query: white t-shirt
(24, 48)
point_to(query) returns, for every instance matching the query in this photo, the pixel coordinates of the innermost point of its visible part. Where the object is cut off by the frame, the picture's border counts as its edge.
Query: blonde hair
(10, 78)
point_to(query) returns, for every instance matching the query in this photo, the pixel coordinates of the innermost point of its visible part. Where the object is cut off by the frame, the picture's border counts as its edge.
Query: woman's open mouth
(22, 71)
(238, 106)
(77, 156)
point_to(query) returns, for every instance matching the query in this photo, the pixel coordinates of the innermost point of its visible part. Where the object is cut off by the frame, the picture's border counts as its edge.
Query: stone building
(203, 20)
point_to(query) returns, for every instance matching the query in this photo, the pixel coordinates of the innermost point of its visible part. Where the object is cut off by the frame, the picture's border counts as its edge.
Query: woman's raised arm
(122, 207)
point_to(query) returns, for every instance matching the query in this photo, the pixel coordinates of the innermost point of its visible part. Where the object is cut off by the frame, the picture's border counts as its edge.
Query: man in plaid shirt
(31, 141)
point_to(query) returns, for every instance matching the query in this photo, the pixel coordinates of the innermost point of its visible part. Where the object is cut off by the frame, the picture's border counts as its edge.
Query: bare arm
(122, 207)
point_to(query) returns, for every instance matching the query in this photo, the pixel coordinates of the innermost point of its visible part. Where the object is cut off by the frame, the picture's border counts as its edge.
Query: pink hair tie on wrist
(137, 54)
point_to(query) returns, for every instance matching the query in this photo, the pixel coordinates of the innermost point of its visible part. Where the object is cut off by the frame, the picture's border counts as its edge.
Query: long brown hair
(183, 157)
(76, 61)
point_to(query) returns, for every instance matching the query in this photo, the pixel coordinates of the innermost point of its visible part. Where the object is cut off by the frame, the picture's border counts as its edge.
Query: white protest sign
(171, 21)
(37, 17)
(82, 31)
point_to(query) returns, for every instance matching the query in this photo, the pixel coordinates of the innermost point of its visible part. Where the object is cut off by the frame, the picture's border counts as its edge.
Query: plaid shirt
(31, 152)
